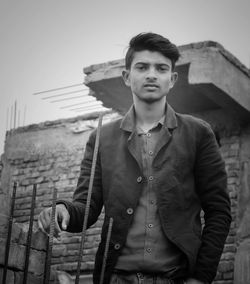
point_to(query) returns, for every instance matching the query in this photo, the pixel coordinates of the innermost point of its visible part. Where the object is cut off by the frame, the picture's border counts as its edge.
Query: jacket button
(117, 246)
(139, 179)
(130, 211)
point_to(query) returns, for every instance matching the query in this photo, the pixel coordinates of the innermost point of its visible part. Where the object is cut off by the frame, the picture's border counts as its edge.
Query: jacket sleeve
(77, 207)
(211, 184)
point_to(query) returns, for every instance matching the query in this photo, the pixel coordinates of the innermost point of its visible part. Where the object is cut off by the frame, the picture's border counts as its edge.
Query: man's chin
(150, 100)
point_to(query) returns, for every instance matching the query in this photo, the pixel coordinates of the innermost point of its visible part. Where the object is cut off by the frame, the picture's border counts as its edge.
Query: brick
(228, 256)
(229, 248)
(230, 240)
(25, 182)
(59, 250)
(31, 278)
(228, 275)
(40, 179)
(9, 278)
(226, 266)
(44, 168)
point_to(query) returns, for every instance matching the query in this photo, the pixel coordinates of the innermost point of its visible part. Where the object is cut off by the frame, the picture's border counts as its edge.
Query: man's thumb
(64, 223)
(65, 220)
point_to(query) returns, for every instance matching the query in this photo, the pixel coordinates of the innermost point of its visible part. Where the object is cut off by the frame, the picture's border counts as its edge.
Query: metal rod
(90, 188)
(7, 248)
(28, 245)
(24, 114)
(56, 89)
(64, 94)
(67, 99)
(7, 119)
(106, 250)
(89, 104)
(90, 99)
(15, 114)
(18, 120)
(87, 108)
(50, 238)
(11, 116)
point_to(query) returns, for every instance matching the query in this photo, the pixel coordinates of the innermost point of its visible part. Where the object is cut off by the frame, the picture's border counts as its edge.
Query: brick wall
(50, 154)
(230, 149)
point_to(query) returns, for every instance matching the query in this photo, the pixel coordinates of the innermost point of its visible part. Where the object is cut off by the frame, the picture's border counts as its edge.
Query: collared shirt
(147, 248)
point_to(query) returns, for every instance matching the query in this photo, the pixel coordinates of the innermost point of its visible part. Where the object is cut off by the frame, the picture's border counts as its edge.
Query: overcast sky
(45, 44)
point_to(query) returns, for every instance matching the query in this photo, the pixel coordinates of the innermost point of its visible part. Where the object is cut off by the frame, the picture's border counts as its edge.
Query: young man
(155, 170)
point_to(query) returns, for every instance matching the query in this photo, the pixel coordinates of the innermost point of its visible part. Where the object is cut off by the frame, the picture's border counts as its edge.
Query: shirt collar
(169, 120)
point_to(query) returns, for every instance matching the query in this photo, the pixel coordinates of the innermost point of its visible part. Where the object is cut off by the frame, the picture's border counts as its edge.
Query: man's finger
(42, 223)
(40, 226)
(65, 221)
(63, 217)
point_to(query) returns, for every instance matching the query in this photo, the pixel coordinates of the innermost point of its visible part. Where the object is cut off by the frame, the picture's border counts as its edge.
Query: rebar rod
(28, 245)
(68, 99)
(56, 89)
(90, 188)
(7, 247)
(64, 94)
(105, 256)
(50, 238)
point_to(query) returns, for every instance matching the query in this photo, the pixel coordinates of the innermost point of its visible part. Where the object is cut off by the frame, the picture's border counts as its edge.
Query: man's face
(150, 76)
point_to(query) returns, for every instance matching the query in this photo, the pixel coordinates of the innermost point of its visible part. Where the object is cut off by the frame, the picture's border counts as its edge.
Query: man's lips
(151, 86)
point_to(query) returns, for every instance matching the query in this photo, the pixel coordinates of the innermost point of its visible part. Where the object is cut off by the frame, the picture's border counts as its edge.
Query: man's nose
(151, 74)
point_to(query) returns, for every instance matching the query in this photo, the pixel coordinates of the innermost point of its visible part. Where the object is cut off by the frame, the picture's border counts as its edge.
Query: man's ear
(174, 78)
(126, 77)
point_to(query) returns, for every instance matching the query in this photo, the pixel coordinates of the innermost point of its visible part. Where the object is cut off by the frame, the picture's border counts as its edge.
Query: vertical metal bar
(50, 238)
(106, 250)
(7, 119)
(46, 259)
(18, 119)
(86, 215)
(28, 245)
(24, 114)
(7, 248)
(11, 116)
(15, 115)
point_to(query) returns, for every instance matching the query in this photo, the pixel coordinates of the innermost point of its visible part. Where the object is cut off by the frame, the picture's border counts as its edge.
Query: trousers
(141, 278)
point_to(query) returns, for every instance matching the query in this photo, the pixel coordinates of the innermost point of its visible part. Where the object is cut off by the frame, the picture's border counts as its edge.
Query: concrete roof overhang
(209, 78)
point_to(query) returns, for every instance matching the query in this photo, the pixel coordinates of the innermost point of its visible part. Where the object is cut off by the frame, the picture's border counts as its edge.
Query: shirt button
(150, 225)
(139, 179)
(152, 202)
(130, 211)
(151, 153)
(148, 134)
(117, 246)
(149, 250)
(151, 178)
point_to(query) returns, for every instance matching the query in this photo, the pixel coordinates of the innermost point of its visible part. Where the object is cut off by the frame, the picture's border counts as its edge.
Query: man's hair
(151, 42)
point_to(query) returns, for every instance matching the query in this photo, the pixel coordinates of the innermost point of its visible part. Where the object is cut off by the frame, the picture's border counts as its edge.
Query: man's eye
(141, 67)
(162, 69)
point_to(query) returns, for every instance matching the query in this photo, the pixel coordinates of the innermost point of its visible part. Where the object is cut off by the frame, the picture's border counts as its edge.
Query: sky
(45, 44)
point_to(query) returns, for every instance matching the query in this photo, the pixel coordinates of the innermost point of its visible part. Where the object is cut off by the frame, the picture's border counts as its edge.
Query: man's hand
(193, 281)
(61, 217)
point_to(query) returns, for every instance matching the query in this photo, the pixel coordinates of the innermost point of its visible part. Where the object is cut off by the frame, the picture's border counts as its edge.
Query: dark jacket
(190, 175)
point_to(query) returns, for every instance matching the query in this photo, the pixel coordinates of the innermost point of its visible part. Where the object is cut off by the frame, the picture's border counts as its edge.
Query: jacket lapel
(166, 135)
(128, 125)
(134, 148)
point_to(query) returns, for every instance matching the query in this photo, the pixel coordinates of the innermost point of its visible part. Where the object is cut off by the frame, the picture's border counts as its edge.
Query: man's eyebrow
(142, 62)
(163, 64)
(159, 63)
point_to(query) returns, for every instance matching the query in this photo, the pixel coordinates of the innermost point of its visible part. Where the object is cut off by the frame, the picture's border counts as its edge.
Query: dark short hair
(152, 42)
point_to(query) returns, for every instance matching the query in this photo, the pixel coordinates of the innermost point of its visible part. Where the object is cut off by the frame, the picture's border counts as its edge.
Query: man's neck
(147, 114)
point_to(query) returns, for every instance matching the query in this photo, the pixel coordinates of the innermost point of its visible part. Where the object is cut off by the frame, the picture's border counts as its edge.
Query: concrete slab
(209, 78)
